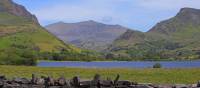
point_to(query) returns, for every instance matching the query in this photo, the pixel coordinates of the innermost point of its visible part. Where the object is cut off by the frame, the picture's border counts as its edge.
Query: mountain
(22, 39)
(175, 38)
(88, 34)
(185, 18)
(15, 9)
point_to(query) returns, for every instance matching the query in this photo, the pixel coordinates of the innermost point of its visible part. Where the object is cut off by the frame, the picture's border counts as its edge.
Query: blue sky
(135, 14)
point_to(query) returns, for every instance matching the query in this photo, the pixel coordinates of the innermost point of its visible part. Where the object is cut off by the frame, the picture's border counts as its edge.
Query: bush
(15, 56)
(157, 65)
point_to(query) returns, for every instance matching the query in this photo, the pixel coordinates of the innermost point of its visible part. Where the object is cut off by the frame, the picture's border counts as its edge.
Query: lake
(121, 64)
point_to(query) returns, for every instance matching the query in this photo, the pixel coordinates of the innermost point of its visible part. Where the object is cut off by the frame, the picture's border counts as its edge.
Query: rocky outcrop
(16, 9)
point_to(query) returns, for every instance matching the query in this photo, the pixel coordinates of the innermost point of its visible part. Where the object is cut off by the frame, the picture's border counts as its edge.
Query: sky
(135, 14)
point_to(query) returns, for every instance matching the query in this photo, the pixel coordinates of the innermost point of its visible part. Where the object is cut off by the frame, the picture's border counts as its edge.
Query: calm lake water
(121, 64)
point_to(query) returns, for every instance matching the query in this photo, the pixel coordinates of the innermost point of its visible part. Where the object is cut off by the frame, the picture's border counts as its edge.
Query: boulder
(181, 86)
(106, 83)
(40, 81)
(61, 81)
(85, 84)
(198, 84)
(50, 81)
(17, 80)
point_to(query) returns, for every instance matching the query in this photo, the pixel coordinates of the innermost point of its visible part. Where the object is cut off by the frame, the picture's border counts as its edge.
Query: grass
(160, 76)
(21, 30)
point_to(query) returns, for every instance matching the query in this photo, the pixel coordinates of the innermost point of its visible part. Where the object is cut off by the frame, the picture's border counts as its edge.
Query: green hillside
(173, 39)
(23, 41)
(20, 36)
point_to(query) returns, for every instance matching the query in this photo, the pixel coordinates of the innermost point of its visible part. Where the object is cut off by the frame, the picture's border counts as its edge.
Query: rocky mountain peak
(189, 15)
(187, 10)
(90, 22)
(16, 9)
(185, 17)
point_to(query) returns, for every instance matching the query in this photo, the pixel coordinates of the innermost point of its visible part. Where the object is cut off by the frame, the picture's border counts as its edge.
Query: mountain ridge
(90, 34)
(175, 38)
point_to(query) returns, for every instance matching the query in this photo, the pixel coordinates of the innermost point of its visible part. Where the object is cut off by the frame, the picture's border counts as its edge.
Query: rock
(13, 85)
(85, 84)
(17, 80)
(40, 81)
(142, 86)
(67, 85)
(61, 81)
(75, 81)
(192, 85)
(50, 81)
(26, 81)
(106, 83)
(124, 83)
(198, 84)
(181, 86)
(37, 86)
(16, 9)
(166, 86)
(1, 84)
(153, 86)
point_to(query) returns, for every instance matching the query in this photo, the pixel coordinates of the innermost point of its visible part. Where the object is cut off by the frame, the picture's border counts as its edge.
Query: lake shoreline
(120, 61)
(120, 64)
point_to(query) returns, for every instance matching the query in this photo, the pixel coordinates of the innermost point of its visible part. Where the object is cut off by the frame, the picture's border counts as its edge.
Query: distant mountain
(22, 39)
(88, 34)
(175, 38)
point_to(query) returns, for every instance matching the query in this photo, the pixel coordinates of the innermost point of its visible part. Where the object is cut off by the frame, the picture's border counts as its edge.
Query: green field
(160, 76)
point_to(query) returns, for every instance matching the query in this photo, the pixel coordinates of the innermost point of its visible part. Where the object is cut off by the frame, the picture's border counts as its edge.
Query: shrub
(157, 65)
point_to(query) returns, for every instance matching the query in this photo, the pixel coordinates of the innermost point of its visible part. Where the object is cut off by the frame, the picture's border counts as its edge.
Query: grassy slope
(187, 36)
(139, 75)
(18, 30)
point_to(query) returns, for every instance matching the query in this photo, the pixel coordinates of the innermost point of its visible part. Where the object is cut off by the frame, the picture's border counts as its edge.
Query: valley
(76, 38)
(23, 41)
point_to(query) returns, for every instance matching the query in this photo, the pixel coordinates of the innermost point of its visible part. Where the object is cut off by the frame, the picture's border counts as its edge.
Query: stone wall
(75, 82)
